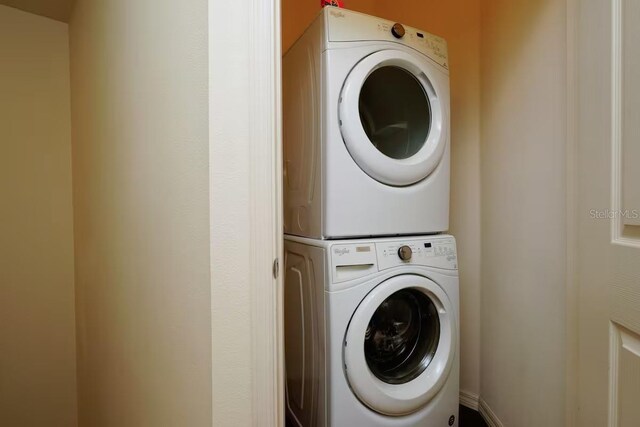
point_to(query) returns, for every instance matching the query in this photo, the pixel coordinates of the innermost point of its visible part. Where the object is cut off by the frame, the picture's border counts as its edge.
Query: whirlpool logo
(341, 251)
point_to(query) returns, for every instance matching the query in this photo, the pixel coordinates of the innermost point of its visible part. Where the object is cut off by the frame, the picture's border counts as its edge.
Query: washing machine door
(392, 117)
(400, 345)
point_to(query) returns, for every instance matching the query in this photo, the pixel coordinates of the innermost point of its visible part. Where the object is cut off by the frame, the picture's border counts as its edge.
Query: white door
(608, 206)
(392, 117)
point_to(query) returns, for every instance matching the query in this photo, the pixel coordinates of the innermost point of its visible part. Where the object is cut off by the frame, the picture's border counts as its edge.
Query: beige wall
(458, 21)
(140, 185)
(37, 331)
(523, 210)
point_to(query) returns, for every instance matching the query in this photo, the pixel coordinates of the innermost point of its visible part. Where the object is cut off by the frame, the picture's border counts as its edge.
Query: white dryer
(371, 332)
(366, 129)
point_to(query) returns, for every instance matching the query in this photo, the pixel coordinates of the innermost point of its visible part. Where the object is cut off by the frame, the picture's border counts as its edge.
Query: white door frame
(246, 212)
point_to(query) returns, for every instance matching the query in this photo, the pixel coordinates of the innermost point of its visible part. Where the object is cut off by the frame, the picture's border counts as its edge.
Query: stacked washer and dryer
(371, 281)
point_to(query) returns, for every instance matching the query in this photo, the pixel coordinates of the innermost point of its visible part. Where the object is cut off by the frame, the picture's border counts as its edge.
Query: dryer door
(391, 117)
(400, 344)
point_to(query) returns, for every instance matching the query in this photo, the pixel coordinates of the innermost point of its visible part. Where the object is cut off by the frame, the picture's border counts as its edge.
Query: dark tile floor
(468, 418)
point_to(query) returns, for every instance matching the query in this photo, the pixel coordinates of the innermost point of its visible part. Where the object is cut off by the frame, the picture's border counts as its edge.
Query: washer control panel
(352, 260)
(435, 252)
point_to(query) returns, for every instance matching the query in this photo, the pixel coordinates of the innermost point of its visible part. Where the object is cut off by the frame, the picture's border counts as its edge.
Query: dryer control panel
(348, 26)
(352, 260)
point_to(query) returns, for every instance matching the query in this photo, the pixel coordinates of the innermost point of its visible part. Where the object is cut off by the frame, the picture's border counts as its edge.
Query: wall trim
(469, 399)
(488, 415)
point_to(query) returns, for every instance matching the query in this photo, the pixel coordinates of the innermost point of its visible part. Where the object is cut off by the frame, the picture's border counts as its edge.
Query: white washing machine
(371, 332)
(366, 129)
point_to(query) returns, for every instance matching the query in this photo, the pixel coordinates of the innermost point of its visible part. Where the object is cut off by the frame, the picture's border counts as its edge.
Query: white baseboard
(468, 399)
(489, 416)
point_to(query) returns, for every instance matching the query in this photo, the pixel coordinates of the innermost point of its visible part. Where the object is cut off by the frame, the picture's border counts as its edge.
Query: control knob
(405, 253)
(398, 31)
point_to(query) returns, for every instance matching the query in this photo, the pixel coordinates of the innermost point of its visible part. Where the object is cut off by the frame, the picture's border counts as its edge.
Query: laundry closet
(501, 77)
(128, 249)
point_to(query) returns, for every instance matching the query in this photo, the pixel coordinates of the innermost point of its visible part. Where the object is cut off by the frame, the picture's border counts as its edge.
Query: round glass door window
(395, 112)
(402, 336)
